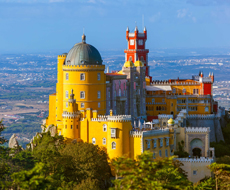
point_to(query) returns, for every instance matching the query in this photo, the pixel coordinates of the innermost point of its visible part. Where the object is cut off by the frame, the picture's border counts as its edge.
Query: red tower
(136, 47)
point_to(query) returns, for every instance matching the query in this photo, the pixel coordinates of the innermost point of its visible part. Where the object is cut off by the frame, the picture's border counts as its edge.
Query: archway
(196, 152)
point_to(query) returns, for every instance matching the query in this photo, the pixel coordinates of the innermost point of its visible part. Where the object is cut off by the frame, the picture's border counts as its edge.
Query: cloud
(182, 13)
(155, 17)
(208, 2)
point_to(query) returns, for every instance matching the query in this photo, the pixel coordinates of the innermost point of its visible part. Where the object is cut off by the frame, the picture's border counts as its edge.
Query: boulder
(13, 143)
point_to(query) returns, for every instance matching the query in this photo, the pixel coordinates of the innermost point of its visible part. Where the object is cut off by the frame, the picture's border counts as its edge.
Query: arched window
(104, 127)
(164, 123)
(174, 90)
(104, 141)
(119, 92)
(98, 76)
(98, 94)
(113, 145)
(82, 95)
(159, 107)
(93, 140)
(166, 153)
(67, 76)
(99, 104)
(154, 155)
(184, 91)
(66, 94)
(160, 153)
(82, 76)
(66, 105)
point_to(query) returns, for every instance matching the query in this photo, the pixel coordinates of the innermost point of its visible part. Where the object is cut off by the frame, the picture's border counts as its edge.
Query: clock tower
(136, 47)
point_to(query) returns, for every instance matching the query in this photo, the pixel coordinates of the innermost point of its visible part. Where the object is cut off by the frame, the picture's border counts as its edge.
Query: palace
(127, 112)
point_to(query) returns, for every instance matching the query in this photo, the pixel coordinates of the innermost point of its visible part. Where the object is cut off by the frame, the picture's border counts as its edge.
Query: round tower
(83, 72)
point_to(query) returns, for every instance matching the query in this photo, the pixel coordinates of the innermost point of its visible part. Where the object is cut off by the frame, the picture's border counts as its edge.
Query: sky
(33, 26)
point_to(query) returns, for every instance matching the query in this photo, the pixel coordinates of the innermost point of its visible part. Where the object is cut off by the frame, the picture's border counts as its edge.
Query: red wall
(207, 88)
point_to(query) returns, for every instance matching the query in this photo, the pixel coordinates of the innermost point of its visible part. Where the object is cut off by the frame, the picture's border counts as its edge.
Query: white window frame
(98, 76)
(104, 128)
(82, 76)
(131, 42)
(82, 105)
(82, 94)
(104, 141)
(66, 94)
(94, 140)
(113, 145)
(67, 76)
(98, 94)
(113, 133)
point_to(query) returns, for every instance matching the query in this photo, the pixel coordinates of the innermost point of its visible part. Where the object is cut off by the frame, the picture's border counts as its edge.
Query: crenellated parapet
(83, 67)
(199, 160)
(136, 134)
(120, 118)
(197, 129)
(164, 116)
(71, 115)
(199, 116)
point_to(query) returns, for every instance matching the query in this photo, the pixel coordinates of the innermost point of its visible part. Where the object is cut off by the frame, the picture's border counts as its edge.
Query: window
(184, 91)
(98, 94)
(82, 105)
(113, 133)
(98, 76)
(167, 142)
(119, 94)
(104, 128)
(154, 143)
(163, 100)
(99, 104)
(109, 93)
(66, 94)
(93, 140)
(154, 155)
(71, 126)
(131, 42)
(206, 109)
(172, 104)
(161, 142)
(76, 126)
(160, 153)
(148, 144)
(153, 100)
(66, 126)
(174, 90)
(82, 95)
(109, 103)
(67, 76)
(164, 123)
(82, 76)
(194, 172)
(66, 105)
(113, 145)
(140, 42)
(104, 141)
(166, 153)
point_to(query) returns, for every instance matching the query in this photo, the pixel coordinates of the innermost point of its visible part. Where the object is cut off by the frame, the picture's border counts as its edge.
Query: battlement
(199, 116)
(199, 160)
(173, 83)
(70, 115)
(100, 118)
(62, 56)
(205, 79)
(83, 67)
(164, 116)
(197, 129)
(136, 133)
(120, 118)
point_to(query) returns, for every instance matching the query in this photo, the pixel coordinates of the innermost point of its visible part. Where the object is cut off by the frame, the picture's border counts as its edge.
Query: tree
(205, 184)
(222, 175)
(146, 173)
(2, 139)
(180, 152)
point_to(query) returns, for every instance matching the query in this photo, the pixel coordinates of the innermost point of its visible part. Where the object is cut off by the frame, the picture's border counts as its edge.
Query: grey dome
(83, 54)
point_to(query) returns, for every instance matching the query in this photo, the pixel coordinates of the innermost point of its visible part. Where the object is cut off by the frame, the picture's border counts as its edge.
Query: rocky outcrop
(13, 143)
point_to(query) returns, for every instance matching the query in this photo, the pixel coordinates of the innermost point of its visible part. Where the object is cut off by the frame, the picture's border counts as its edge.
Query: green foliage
(180, 152)
(221, 148)
(206, 184)
(222, 175)
(2, 139)
(226, 133)
(223, 160)
(146, 173)
(24, 159)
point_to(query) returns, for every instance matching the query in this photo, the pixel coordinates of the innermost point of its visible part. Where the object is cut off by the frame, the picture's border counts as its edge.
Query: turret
(127, 33)
(201, 74)
(145, 32)
(212, 77)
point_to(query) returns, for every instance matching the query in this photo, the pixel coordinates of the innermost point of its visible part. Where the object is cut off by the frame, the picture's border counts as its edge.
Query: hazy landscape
(26, 80)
